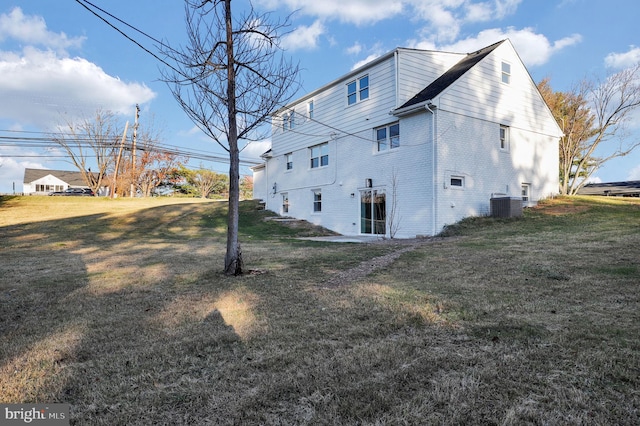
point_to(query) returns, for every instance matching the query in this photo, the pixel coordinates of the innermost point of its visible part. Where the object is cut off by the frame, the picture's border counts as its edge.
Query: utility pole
(115, 173)
(133, 151)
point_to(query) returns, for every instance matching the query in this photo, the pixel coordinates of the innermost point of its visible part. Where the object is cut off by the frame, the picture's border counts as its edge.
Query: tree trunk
(233, 263)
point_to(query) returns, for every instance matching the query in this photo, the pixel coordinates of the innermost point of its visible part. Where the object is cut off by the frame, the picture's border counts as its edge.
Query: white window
(292, 119)
(506, 73)
(319, 155)
(310, 110)
(525, 192)
(358, 90)
(317, 201)
(285, 203)
(388, 137)
(288, 158)
(504, 138)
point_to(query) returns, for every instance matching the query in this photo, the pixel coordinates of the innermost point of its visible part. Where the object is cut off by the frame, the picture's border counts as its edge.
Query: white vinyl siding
(518, 104)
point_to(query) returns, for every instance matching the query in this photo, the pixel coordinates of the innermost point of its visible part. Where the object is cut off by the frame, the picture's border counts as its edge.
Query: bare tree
(90, 141)
(393, 218)
(228, 79)
(149, 164)
(594, 118)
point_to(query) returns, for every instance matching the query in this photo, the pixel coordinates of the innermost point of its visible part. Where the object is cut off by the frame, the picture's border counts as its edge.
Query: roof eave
(412, 109)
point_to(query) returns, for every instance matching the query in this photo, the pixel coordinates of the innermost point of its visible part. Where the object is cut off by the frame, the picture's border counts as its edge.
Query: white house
(42, 181)
(411, 142)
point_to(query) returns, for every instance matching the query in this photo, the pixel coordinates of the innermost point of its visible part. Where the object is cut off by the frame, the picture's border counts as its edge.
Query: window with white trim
(456, 182)
(504, 138)
(358, 90)
(288, 158)
(285, 203)
(310, 110)
(506, 72)
(319, 155)
(317, 201)
(388, 137)
(292, 119)
(525, 192)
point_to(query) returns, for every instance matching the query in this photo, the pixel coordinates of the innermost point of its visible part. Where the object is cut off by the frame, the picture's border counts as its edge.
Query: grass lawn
(120, 308)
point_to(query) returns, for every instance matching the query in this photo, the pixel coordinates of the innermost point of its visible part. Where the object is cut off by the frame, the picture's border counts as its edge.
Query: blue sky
(57, 58)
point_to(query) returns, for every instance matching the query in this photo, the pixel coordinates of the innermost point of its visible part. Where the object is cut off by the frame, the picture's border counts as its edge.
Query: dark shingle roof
(450, 76)
(630, 188)
(71, 178)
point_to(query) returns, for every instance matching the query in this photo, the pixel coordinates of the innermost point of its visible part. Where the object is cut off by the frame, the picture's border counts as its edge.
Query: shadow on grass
(128, 319)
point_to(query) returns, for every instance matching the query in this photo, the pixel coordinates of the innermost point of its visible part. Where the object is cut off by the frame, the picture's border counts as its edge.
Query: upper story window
(288, 158)
(358, 90)
(388, 137)
(506, 73)
(292, 119)
(504, 138)
(288, 121)
(319, 155)
(310, 110)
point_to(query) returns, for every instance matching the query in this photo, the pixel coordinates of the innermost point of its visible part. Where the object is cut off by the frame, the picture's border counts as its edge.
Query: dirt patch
(371, 265)
(561, 209)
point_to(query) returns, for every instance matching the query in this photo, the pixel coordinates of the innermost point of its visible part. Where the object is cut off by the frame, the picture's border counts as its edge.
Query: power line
(81, 142)
(81, 3)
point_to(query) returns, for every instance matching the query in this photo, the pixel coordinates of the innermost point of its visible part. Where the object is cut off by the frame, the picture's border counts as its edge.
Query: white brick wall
(466, 146)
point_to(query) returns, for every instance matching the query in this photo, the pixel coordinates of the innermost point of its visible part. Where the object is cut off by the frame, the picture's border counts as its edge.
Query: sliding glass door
(373, 212)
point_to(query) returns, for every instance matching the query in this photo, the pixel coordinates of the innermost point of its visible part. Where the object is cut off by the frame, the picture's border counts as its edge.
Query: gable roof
(72, 178)
(451, 75)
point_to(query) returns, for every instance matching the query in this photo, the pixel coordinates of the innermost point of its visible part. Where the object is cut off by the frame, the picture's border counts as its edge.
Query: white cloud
(623, 60)
(33, 30)
(304, 37)
(375, 52)
(445, 18)
(534, 49)
(253, 150)
(41, 81)
(355, 49)
(366, 60)
(358, 12)
(634, 174)
(37, 86)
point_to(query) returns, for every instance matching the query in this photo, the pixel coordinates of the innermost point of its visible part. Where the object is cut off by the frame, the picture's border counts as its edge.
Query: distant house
(42, 181)
(612, 189)
(411, 142)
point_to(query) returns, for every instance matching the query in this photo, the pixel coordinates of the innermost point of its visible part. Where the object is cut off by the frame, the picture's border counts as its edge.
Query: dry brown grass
(125, 315)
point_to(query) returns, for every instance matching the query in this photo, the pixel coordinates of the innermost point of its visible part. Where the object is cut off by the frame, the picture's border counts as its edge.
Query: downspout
(397, 58)
(434, 176)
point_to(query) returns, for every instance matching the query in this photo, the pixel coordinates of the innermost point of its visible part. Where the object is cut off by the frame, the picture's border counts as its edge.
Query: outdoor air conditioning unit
(506, 207)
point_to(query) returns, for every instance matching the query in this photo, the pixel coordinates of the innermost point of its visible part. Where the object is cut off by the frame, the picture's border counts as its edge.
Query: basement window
(456, 182)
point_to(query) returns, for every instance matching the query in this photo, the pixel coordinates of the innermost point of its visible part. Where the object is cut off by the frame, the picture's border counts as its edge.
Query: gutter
(399, 112)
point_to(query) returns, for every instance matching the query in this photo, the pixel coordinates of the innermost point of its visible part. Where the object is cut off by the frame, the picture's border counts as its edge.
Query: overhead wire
(134, 28)
(48, 142)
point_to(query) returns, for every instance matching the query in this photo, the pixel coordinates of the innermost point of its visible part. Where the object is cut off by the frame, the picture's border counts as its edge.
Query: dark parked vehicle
(82, 192)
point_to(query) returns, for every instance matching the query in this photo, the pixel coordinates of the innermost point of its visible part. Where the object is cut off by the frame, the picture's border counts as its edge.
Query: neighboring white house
(42, 182)
(411, 142)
